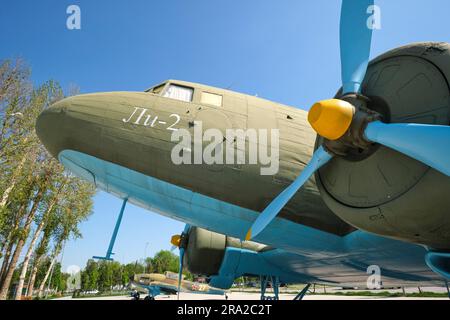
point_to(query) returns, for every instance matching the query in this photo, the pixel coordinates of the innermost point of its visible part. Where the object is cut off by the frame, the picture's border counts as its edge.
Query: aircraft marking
(141, 113)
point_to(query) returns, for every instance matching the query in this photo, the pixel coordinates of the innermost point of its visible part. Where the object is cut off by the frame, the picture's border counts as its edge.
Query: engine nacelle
(205, 250)
(381, 190)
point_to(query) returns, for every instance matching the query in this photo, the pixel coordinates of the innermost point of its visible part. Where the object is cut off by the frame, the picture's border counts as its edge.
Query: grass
(385, 294)
(101, 294)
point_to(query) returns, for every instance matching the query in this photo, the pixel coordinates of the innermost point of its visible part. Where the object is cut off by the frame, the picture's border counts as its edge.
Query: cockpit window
(211, 98)
(179, 93)
(158, 89)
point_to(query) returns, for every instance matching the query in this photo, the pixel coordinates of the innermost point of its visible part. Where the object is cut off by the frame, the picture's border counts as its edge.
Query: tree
(105, 276)
(74, 209)
(52, 200)
(149, 265)
(164, 261)
(39, 202)
(125, 277)
(40, 173)
(90, 276)
(40, 251)
(85, 281)
(117, 270)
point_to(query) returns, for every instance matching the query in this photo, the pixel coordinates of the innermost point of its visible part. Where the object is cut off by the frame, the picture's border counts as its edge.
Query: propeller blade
(319, 158)
(180, 273)
(355, 40)
(429, 144)
(186, 228)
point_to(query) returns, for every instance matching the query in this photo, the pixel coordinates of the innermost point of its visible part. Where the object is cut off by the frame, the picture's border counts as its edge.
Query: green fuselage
(133, 130)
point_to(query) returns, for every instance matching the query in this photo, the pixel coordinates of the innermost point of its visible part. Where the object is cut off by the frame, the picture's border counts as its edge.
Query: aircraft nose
(92, 124)
(49, 124)
(70, 123)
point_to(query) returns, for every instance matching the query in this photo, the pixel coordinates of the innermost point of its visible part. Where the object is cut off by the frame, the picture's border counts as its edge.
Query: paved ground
(251, 296)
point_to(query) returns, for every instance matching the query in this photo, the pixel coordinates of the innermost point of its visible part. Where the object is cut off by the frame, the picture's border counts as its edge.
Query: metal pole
(145, 250)
(111, 278)
(448, 290)
(264, 280)
(302, 293)
(145, 258)
(116, 230)
(276, 287)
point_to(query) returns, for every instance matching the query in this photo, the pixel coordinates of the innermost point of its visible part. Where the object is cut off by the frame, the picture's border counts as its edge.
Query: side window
(211, 98)
(179, 93)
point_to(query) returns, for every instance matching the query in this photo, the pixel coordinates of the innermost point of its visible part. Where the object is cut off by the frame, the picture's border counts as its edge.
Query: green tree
(30, 191)
(165, 260)
(91, 275)
(105, 278)
(38, 200)
(117, 270)
(149, 265)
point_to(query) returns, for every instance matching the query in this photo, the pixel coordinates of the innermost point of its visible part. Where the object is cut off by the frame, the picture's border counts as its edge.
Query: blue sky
(286, 51)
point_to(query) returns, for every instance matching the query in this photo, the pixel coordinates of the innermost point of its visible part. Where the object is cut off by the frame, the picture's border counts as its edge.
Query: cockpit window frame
(167, 84)
(164, 84)
(161, 88)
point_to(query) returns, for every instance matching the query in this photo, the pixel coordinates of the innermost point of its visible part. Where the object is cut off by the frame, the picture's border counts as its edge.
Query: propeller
(426, 143)
(355, 39)
(319, 158)
(347, 123)
(180, 242)
(429, 144)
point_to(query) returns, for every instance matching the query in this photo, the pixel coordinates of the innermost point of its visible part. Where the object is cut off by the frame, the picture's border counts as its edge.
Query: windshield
(179, 93)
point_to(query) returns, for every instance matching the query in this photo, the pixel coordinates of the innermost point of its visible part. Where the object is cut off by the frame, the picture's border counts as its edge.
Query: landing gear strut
(265, 280)
(448, 290)
(135, 295)
(302, 293)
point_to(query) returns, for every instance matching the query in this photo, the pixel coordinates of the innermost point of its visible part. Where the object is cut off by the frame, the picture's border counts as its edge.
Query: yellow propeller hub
(176, 240)
(331, 118)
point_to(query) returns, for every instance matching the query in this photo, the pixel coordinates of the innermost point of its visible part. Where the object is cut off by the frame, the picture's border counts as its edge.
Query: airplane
(361, 194)
(154, 284)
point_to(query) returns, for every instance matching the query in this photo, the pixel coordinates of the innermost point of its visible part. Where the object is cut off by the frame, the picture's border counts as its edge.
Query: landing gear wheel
(149, 298)
(136, 296)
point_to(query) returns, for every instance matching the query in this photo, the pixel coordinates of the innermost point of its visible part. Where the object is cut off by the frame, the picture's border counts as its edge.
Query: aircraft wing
(339, 269)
